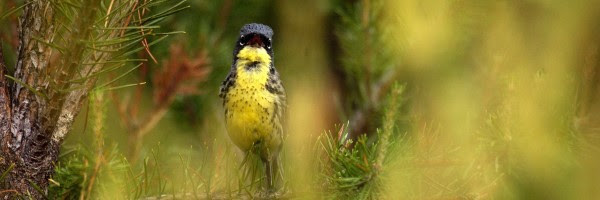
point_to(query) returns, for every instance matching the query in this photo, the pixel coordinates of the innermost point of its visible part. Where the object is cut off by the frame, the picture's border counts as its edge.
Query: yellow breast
(250, 106)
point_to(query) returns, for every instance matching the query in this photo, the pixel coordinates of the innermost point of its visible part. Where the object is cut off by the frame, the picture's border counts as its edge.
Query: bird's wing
(275, 86)
(227, 83)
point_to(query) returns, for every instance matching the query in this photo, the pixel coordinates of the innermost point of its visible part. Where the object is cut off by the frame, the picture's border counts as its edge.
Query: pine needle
(27, 86)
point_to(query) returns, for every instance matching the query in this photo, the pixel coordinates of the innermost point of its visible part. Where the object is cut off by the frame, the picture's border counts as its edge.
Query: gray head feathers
(257, 28)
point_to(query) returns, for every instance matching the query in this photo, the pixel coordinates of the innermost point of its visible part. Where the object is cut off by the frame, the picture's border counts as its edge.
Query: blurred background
(387, 99)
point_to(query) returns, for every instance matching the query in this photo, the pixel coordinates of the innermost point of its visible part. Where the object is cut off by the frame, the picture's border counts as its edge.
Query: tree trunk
(38, 106)
(27, 123)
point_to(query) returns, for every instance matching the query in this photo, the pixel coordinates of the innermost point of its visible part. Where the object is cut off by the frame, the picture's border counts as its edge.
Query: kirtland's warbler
(254, 98)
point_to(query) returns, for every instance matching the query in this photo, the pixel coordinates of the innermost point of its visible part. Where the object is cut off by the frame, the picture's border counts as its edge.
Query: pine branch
(367, 73)
(26, 143)
(44, 99)
(5, 109)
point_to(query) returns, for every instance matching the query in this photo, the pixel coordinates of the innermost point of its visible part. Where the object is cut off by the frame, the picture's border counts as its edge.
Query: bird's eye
(241, 40)
(268, 43)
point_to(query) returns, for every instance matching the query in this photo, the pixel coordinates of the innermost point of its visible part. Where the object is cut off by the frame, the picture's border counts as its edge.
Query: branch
(136, 137)
(286, 195)
(4, 87)
(179, 76)
(24, 141)
(33, 54)
(5, 110)
(360, 119)
(34, 127)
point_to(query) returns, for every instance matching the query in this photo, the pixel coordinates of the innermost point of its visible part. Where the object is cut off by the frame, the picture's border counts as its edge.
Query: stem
(135, 139)
(25, 125)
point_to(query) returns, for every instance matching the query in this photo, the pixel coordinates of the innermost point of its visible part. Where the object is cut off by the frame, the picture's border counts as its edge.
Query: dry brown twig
(180, 75)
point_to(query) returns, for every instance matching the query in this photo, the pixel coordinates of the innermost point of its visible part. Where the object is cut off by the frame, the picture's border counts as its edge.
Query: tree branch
(26, 144)
(4, 109)
(32, 126)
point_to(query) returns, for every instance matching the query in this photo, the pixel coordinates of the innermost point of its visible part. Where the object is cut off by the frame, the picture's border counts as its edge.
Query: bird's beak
(256, 41)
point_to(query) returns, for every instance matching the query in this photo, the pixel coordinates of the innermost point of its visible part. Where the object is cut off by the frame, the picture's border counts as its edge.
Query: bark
(34, 117)
(25, 124)
(37, 109)
(5, 115)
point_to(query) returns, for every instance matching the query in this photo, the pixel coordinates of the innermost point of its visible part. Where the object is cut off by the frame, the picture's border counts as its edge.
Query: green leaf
(10, 168)
(27, 86)
(116, 79)
(13, 10)
(122, 86)
(140, 48)
(172, 10)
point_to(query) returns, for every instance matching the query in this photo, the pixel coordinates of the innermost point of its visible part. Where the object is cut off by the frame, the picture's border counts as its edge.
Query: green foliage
(160, 175)
(9, 10)
(68, 181)
(74, 169)
(349, 172)
(96, 38)
(366, 57)
(352, 169)
(477, 130)
(76, 175)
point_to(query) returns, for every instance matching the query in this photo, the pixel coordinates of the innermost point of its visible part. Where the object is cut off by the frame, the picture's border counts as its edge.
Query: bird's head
(255, 35)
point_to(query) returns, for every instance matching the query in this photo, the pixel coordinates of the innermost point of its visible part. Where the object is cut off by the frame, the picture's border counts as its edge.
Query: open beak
(255, 41)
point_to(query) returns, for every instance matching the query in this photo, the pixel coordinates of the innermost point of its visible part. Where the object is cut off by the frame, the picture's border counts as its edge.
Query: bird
(254, 99)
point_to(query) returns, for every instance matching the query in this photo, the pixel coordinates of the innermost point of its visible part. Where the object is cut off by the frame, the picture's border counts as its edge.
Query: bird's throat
(252, 67)
(254, 55)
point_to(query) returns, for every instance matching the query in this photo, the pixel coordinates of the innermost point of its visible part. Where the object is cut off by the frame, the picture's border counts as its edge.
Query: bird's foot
(269, 193)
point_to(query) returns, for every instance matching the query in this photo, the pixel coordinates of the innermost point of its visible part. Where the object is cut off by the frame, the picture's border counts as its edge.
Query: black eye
(241, 41)
(267, 42)
(252, 38)
(244, 40)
